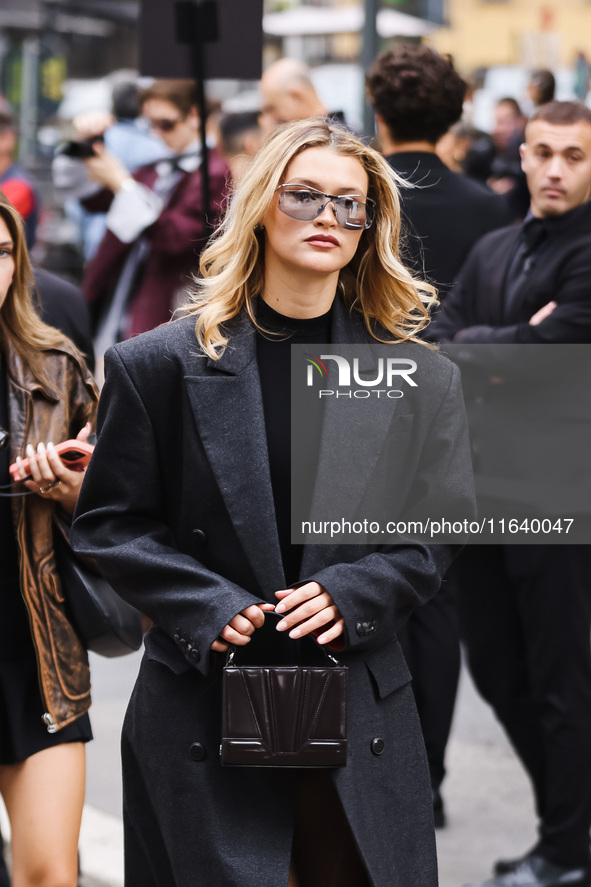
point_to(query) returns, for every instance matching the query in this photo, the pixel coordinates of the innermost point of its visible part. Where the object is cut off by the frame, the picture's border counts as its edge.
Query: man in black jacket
(526, 610)
(417, 96)
(553, 303)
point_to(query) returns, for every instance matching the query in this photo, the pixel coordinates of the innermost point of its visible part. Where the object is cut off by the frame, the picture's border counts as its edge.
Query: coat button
(377, 745)
(199, 535)
(194, 655)
(197, 751)
(364, 629)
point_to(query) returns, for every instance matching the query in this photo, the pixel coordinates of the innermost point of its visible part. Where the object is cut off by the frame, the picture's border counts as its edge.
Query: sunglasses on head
(352, 211)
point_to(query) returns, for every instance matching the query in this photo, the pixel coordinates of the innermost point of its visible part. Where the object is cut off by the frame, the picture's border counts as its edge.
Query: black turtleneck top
(274, 363)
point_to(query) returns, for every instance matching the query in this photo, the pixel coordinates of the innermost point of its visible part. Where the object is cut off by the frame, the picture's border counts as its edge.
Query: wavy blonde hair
(374, 283)
(21, 328)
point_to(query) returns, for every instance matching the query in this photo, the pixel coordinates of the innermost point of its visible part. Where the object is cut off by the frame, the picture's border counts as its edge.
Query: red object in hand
(75, 454)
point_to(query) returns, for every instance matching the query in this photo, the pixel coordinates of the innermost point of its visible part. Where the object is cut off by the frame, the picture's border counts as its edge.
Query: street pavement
(488, 801)
(487, 795)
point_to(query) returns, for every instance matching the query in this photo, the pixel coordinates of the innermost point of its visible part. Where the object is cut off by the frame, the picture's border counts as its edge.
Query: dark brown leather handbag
(284, 715)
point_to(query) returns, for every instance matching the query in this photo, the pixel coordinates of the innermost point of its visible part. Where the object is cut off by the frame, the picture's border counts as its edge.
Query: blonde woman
(46, 396)
(186, 507)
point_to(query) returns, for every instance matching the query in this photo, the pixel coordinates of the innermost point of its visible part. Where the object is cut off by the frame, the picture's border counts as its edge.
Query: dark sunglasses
(352, 211)
(165, 125)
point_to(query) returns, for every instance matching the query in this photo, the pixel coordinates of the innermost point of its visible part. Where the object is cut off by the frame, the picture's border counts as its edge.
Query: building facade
(532, 33)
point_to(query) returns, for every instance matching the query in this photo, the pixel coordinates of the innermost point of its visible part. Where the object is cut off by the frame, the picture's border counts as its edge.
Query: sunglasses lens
(164, 125)
(352, 213)
(305, 206)
(301, 205)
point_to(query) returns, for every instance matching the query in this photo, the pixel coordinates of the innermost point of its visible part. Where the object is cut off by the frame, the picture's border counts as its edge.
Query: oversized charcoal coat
(177, 508)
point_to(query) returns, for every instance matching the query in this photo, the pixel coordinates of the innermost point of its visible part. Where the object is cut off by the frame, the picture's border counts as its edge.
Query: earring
(258, 228)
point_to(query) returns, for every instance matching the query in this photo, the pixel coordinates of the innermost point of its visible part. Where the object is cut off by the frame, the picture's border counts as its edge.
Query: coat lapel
(227, 404)
(353, 435)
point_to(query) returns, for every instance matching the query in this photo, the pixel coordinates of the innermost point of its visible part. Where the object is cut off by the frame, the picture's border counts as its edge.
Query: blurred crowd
(500, 223)
(128, 162)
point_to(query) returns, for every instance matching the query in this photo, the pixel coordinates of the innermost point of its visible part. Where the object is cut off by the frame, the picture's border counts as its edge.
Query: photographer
(155, 220)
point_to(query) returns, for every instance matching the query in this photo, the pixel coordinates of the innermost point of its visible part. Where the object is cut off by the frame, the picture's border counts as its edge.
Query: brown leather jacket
(42, 413)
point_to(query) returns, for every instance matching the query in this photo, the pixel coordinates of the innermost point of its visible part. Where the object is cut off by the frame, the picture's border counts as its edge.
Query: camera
(80, 150)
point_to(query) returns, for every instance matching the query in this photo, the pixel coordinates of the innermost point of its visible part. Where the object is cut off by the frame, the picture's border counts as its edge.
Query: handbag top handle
(232, 649)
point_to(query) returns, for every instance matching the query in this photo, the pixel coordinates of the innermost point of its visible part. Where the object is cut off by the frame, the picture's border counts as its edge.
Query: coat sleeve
(120, 522)
(457, 308)
(378, 592)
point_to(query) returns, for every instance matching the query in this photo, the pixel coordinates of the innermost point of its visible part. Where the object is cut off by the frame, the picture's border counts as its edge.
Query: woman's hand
(241, 627)
(50, 477)
(310, 608)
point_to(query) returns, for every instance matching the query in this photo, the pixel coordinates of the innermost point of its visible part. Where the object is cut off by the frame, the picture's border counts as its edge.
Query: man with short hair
(125, 136)
(541, 87)
(155, 225)
(417, 95)
(555, 303)
(240, 139)
(288, 94)
(506, 176)
(526, 610)
(509, 125)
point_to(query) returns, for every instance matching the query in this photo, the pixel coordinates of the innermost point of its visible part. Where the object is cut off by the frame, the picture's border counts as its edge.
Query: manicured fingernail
(295, 633)
(30, 451)
(40, 447)
(282, 626)
(280, 608)
(50, 445)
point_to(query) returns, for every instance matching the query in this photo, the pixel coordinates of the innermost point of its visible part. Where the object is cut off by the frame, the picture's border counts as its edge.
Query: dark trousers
(323, 851)
(526, 619)
(431, 644)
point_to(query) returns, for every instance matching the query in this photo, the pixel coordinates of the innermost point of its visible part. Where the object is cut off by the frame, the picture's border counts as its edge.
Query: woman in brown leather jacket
(46, 394)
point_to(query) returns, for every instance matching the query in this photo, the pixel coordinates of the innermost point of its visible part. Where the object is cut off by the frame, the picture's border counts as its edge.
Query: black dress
(22, 731)
(323, 850)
